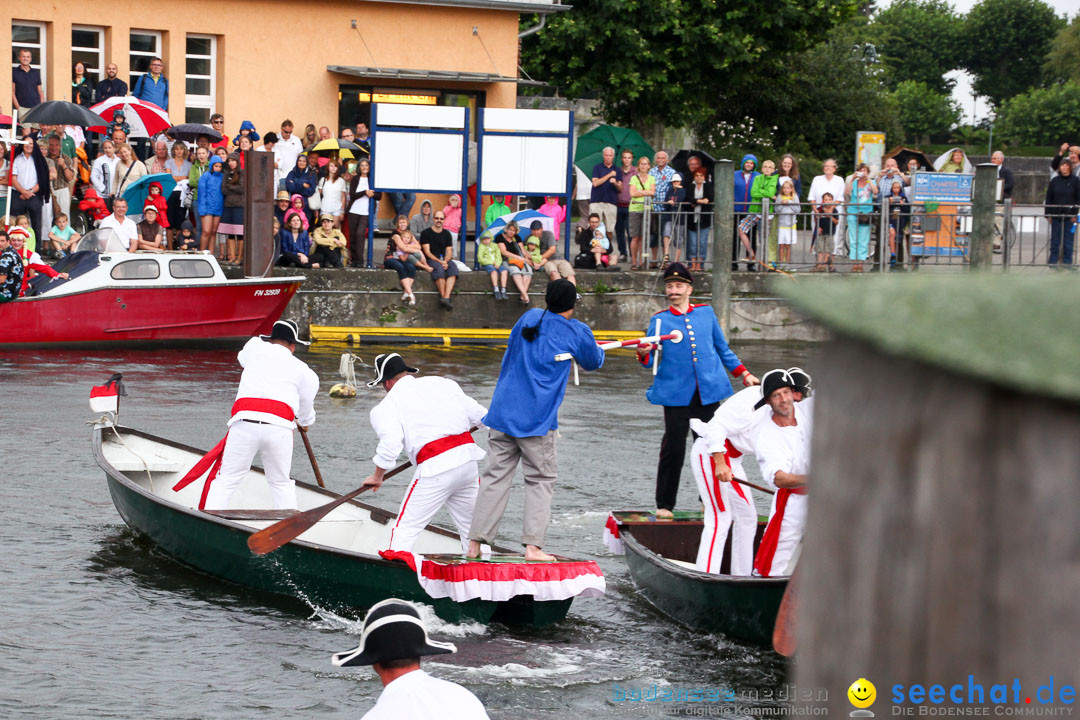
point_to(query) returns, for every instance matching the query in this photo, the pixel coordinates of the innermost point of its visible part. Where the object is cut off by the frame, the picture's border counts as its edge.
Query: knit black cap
(561, 295)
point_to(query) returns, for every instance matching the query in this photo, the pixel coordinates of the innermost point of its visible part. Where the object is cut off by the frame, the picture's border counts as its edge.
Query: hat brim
(379, 380)
(360, 656)
(298, 341)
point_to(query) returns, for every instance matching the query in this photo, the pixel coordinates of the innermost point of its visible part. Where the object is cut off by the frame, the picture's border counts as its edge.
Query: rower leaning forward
(277, 391)
(690, 378)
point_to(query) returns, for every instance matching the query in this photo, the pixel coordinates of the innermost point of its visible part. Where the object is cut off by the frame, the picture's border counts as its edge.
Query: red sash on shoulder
(212, 459)
(438, 447)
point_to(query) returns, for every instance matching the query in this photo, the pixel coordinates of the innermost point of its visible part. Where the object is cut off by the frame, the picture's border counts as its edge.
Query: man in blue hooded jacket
(744, 178)
(153, 86)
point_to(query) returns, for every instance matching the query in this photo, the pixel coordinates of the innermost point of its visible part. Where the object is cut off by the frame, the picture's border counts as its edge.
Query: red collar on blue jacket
(676, 312)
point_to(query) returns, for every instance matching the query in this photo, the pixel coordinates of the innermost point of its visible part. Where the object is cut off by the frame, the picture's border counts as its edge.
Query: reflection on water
(96, 618)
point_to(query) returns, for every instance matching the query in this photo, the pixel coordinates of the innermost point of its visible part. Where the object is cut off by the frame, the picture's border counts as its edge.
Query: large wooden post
(982, 221)
(941, 540)
(258, 213)
(723, 229)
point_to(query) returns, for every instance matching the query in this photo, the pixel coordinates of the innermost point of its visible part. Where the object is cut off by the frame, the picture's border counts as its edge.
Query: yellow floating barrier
(432, 336)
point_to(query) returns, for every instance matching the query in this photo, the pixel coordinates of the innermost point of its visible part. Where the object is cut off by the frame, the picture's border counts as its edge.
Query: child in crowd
(158, 200)
(555, 211)
(827, 218)
(787, 209)
(490, 259)
(63, 237)
(151, 234)
(329, 243)
(119, 120)
(23, 221)
(452, 213)
(186, 240)
(532, 249)
(600, 247)
(899, 214)
(297, 208)
(764, 186)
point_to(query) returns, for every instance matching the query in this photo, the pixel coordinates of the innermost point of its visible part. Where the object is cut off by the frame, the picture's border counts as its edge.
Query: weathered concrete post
(940, 543)
(258, 213)
(723, 230)
(982, 223)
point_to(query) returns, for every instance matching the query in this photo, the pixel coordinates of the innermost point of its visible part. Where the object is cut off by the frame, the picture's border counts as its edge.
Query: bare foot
(535, 554)
(664, 514)
(474, 549)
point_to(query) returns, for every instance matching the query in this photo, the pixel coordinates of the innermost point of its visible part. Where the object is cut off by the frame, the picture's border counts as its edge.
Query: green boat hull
(742, 608)
(332, 579)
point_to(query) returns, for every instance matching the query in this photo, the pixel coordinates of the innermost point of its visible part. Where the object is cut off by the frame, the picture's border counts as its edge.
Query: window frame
(193, 262)
(134, 75)
(138, 261)
(42, 47)
(201, 102)
(99, 50)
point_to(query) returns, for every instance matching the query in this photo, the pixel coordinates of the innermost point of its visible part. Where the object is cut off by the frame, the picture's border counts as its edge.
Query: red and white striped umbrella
(145, 118)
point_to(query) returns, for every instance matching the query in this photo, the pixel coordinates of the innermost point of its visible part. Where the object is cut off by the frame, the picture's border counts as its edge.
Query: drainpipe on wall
(534, 29)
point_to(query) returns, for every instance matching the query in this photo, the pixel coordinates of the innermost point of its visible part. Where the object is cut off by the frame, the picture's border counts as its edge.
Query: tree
(918, 40)
(676, 62)
(923, 110)
(1042, 116)
(1007, 42)
(1063, 61)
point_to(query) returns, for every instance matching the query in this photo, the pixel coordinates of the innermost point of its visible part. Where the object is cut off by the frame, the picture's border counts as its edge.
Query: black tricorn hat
(802, 380)
(389, 365)
(393, 630)
(285, 330)
(773, 381)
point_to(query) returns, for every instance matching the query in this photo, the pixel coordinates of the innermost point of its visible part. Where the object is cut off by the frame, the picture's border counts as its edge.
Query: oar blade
(280, 533)
(785, 633)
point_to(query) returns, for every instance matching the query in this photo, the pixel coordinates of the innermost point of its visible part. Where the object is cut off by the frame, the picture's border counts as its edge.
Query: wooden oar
(271, 538)
(756, 487)
(311, 455)
(785, 638)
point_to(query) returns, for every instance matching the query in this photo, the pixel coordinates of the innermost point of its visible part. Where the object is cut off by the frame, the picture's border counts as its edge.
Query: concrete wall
(610, 301)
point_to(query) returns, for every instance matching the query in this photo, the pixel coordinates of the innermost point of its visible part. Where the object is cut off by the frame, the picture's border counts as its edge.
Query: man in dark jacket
(111, 86)
(1007, 182)
(30, 185)
(1061, 206)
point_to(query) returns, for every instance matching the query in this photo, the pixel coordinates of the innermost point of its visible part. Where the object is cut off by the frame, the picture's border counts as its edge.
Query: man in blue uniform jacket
(691, 379)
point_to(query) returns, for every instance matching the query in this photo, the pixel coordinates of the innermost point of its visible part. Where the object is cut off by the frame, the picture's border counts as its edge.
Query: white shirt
(333, 196)
(286, 152)
(417, 411)
(821, 185)
(126, 230)
(101, 174)
(783, 449)
(23, 168)
(419, 696)
(738, 422)
(271, 372)
(360, 204)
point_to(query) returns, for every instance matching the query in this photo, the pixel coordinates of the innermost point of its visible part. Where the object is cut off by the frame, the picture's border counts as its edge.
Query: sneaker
(412, 299)
(405, 296)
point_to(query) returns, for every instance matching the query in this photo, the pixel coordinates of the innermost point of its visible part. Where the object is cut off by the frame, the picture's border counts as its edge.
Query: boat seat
(683, 563)
(252, 514)
(127, 465)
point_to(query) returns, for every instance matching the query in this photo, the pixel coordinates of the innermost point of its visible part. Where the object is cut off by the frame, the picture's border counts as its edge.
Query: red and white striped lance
(674, 336)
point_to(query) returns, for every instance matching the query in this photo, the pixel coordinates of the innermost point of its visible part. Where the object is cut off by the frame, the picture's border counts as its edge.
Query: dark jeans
(1062, 235)
(32, 209)
(326, 257)
(292, 260)
(358, 231)
(402, 202)
(622, 230)
(673, 447)
(403, 269)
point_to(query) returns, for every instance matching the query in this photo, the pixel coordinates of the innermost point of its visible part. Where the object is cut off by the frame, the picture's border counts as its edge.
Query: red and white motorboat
(115, 297)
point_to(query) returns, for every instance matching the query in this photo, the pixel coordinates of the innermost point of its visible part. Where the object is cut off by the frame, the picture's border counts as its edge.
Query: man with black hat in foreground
(430, 418)
(690, 380)
(277, 391)
(524, 416)
(783, 451)
(393, 641)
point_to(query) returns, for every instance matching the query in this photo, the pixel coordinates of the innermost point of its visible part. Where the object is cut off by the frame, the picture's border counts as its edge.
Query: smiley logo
(862, 693)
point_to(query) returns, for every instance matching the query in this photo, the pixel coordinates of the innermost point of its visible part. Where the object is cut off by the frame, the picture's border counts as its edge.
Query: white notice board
(520, 165)
(419, 161)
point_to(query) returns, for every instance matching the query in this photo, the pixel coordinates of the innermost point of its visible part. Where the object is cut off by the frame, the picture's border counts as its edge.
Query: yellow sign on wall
(401, 98)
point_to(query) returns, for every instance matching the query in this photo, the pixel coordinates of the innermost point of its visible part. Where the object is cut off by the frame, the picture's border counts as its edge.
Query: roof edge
(533, 8)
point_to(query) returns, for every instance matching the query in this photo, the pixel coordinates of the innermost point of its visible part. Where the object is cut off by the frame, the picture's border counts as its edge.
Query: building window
(88, 47)
(145, 46)
(200, 61)
(30, 36)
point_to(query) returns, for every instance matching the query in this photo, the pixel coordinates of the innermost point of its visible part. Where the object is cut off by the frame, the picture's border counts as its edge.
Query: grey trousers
(540, 466)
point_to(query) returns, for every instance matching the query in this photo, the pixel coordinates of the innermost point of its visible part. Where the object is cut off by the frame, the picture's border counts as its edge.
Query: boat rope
(105, 420)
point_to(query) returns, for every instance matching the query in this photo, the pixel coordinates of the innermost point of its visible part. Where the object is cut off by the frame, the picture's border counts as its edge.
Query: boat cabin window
(136, 270)
(191, 268)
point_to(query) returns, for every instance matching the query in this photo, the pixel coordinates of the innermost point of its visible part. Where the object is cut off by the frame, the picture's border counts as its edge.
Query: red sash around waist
(273, 407)
(438, 447)
(730, 450)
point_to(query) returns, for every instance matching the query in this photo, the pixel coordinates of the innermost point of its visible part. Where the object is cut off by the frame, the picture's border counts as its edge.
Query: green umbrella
(590, 146)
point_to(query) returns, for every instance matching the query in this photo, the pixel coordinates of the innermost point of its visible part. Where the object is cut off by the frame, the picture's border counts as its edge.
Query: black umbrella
(681, 163)
(59, 112)
(190, 132)
(904, 154)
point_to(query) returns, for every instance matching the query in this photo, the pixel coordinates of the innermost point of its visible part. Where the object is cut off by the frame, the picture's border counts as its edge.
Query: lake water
(97, 623)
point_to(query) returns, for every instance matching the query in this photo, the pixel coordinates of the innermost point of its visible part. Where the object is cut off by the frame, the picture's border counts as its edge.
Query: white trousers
(792, 527)
(727, 506)
(456, 488)
(274, 445)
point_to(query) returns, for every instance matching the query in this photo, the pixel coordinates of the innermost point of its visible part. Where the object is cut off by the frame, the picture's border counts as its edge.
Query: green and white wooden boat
(660, 555)
(334, 565)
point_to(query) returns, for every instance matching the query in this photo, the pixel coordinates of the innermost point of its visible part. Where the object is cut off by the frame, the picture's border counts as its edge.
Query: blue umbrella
(136, 192)
(524, 218)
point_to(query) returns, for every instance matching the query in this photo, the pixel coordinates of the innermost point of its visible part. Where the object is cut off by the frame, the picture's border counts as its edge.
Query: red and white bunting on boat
(106, 398)
(499, 581)
(612, 541)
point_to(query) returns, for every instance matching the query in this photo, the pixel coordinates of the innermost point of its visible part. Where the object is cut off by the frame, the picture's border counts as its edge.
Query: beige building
(265, 60)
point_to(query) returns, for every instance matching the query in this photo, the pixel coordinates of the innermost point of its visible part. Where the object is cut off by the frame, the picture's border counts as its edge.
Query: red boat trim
(187, 324)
